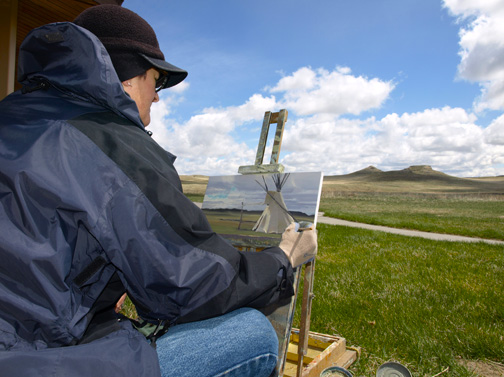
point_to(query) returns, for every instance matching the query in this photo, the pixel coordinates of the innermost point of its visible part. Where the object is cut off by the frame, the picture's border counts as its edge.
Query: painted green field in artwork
(237, 227)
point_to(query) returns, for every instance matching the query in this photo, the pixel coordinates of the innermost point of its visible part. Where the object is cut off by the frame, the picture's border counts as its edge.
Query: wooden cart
(323, 351)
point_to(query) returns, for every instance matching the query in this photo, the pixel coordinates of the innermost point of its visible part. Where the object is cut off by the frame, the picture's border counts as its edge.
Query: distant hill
(414, 179)
(366, 171)
(413, 173)
(418, 178)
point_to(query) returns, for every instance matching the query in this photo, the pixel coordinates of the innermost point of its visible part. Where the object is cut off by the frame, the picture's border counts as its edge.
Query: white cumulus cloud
(494, 134)
(324, 134)
(309, 91)
(447, 139)
(482, 48)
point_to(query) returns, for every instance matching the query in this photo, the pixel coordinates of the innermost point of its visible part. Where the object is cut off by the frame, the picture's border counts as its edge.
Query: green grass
(472, 216)
(422, 303)
(426, 304)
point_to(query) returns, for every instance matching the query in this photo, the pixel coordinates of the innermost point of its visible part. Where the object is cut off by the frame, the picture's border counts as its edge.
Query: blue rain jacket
(88, 200)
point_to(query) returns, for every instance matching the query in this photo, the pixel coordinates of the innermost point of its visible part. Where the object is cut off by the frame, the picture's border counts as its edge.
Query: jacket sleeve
(172, 264)
(186, 272)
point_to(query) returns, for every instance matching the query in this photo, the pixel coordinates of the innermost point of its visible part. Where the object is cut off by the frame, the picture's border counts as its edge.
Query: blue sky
(388, 83)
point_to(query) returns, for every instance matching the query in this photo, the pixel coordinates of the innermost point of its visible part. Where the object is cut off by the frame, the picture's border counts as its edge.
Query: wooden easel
(284, 314)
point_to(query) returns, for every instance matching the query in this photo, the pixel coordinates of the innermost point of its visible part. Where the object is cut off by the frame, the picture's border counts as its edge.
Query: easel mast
(280, 118)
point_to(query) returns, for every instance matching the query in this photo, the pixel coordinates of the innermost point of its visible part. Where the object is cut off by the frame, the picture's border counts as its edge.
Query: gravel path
(405, 232)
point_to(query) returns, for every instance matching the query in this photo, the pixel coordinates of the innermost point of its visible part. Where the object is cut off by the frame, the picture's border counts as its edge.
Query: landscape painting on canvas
(253, 210)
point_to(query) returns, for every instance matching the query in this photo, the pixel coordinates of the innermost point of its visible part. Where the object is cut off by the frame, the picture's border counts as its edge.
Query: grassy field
(436, 307)
(465, 215)
(420, 199)
(426, 304)
(429, 305)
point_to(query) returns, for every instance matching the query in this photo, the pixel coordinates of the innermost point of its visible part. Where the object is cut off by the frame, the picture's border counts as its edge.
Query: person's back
(92, 207)
(52, 192)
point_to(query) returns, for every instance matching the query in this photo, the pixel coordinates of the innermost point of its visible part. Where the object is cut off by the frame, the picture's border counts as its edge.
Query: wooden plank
(311, 353)
(326, 360)
(314, 340)
(261, 169)
(277, 143)
(263, 138)
(337, 348)
(290, 369)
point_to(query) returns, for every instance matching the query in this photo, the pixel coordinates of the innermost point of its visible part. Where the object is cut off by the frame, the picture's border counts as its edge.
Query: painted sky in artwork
(388, 83)
(301, 192)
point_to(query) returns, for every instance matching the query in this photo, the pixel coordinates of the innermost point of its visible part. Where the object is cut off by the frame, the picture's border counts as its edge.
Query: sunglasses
(161, 82)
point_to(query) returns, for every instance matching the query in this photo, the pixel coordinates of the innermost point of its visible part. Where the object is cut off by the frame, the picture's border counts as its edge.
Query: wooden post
(309, 276)
(280, 118)
(8, 29)
(263, 138)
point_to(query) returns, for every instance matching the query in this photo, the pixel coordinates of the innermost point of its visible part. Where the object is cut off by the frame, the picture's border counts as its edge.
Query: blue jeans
(240, 343)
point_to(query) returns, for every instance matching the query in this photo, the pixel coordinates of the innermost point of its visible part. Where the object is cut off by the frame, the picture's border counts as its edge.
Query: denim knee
(240, 343)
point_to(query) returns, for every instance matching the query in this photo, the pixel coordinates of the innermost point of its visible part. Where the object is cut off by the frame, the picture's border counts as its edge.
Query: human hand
(119, 304)
(299, 247)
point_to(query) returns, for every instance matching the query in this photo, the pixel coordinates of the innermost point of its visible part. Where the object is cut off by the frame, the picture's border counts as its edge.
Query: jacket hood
(74, 61)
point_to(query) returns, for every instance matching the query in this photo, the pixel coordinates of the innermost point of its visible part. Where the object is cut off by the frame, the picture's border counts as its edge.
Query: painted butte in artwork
(253, 210)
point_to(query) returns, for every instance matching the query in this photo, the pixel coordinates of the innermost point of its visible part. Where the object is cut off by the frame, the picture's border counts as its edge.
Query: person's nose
(156, 97)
